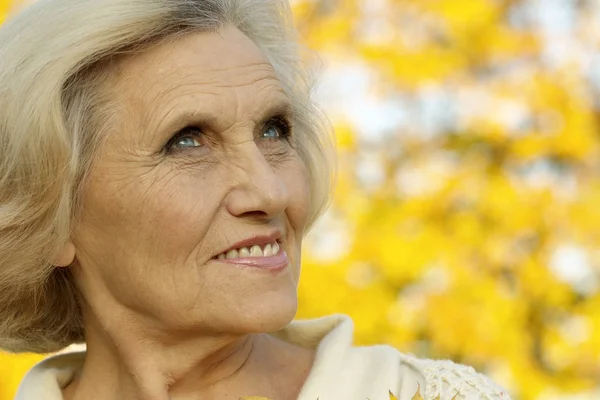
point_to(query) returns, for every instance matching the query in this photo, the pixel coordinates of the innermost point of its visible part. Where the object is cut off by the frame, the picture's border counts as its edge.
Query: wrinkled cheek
(152, 221)
(175, 221)
(300, 198)
(147, 238)
(298, 211)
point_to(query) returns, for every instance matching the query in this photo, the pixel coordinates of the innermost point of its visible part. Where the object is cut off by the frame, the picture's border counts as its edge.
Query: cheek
(296, 177)
(153, 218)
(140, 242)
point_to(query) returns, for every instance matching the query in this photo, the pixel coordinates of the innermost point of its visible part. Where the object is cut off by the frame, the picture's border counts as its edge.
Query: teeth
(231, 254)
(256, 251)
(269, 250)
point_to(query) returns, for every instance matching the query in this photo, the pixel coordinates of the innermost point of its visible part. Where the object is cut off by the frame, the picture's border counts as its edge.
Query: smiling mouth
(256, 251)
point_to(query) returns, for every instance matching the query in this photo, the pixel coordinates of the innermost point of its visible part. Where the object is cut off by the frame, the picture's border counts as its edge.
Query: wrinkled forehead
(219, 76)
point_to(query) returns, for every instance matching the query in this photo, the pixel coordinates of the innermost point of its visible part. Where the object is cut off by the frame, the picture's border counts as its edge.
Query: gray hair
(53, 113)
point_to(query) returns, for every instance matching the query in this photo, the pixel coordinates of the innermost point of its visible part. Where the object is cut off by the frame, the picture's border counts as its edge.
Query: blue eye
(188, 137)
(277, 128)
(187, 141)
(272, 133)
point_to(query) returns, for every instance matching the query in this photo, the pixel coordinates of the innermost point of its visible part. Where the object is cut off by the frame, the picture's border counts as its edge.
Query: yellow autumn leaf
(417, 395)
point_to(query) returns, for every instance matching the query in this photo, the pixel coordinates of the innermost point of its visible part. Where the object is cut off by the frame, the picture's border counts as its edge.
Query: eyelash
(280, 122)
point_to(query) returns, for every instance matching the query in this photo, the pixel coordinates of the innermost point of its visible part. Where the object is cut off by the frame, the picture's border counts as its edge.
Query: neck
(127, 362)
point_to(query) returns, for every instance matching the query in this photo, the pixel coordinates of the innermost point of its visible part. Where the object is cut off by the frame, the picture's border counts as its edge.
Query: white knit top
(340, 370)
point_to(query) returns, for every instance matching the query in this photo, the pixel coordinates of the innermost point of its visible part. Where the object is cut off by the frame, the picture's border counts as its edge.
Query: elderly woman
(160, 163)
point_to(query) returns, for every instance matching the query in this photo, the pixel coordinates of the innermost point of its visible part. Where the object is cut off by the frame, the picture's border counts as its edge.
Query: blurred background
(466, 221)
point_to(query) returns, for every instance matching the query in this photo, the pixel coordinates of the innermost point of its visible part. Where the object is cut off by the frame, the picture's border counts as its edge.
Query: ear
(65, 256)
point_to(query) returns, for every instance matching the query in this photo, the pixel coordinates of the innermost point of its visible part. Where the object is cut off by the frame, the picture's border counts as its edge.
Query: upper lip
(259, 240)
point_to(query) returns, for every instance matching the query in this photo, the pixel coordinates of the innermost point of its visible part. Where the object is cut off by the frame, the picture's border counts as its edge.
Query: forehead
(215, 74)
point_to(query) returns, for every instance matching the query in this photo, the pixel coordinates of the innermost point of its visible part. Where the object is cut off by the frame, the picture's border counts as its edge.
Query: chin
(268, 314)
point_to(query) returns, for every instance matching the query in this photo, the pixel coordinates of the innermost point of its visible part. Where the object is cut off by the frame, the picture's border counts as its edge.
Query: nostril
(255, 214)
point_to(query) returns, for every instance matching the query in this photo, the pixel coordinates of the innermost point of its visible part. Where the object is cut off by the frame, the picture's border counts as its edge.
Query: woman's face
(200, 157)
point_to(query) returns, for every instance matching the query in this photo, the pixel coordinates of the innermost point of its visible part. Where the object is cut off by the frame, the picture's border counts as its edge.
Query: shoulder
(47, 378)
(342, 370)
(446, 380)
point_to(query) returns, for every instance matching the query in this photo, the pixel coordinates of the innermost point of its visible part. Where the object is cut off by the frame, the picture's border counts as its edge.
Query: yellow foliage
(4, 8)
(472, 254)
(12, 369)
(486, 195)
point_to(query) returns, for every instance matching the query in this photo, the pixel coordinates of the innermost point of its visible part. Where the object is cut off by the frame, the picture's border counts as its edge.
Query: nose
(258, 192)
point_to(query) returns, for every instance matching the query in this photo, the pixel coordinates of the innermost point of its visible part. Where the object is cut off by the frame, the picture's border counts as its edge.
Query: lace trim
(446, 380)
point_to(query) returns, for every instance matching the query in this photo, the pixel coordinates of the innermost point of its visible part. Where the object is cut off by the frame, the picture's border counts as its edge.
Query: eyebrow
(281, 108)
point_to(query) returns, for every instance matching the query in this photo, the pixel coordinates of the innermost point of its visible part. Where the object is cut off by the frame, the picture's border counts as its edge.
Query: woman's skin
(164, 319)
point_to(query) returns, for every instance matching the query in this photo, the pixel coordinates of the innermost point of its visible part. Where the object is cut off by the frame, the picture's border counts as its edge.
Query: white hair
(55, 60)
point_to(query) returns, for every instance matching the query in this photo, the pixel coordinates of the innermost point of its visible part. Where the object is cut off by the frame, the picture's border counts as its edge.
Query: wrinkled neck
(128, 360)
